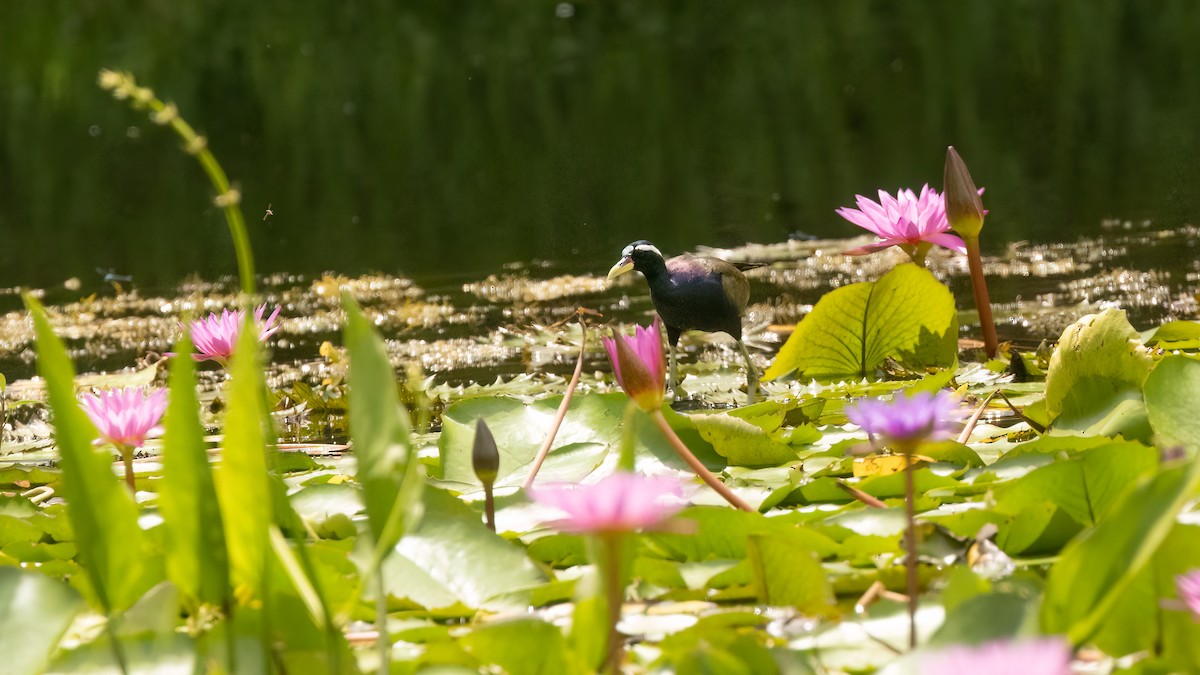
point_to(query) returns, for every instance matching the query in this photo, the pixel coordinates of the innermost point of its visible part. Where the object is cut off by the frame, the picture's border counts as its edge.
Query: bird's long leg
(673, 377)
(751, 374)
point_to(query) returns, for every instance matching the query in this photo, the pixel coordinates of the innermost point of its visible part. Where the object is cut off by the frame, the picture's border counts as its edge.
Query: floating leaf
(988, 618)
(721, 533)
(741, 442)
(1099, 364)
(788, 572)
(1097, 566)
(907, 314)
(520, 647)
(591, 429)
(1139, 621)
(1085, 486)
(1174, 335)
(451, 560)
(1172, 390)
(35, 611)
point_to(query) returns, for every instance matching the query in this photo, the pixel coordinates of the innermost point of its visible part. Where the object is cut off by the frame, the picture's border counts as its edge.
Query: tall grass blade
(113, 549)
(197, 560)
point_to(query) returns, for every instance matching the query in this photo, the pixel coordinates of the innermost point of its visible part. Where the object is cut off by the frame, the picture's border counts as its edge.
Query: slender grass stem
(979, 285)
(562, 409)
(910, 543)
(124, 86)
(690, 459)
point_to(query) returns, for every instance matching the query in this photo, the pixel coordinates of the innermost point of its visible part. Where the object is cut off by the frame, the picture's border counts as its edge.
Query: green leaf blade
(242, 480)
(379, 427)
(112, 546)
(196, 557)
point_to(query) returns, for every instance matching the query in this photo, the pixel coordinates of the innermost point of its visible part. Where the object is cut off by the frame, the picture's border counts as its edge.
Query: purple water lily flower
(907, 220)
(906, 420)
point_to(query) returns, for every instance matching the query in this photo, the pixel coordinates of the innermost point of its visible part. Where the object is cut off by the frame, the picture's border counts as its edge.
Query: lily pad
(741, 442)
(908, 315)
(1172, 391)
(1100, 364)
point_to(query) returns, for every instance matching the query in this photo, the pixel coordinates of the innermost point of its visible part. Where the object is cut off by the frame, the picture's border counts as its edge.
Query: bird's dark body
(693, 293)
(690, 293)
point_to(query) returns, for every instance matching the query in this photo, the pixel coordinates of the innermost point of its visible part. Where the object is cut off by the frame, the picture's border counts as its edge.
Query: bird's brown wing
(737, 288)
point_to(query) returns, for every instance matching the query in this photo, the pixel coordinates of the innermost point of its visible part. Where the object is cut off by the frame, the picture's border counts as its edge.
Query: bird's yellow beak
(623, 266)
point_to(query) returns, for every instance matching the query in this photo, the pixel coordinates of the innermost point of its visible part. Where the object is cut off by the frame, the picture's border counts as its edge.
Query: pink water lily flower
(216, 336)
(1044, 656)
(622, 502)
(126, 417)
(907, 220)
(638, 364)
(906, 419)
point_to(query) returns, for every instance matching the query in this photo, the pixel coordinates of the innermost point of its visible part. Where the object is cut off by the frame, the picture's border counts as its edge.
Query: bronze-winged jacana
(693, 293)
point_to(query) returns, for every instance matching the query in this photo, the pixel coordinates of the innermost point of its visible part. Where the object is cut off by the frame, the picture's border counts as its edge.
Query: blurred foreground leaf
(391, 481)
(196, 557)
(1096, 567)
(35, 611)
(242, 483)
(112, 546)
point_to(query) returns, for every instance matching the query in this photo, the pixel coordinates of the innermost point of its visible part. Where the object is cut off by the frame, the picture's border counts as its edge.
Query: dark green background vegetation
(449, 137)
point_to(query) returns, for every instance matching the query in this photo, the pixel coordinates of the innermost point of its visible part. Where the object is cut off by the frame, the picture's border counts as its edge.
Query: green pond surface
(433, 139)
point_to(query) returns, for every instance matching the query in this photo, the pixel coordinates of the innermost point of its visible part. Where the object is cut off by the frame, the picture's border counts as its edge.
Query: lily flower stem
(489, 505)
(982, 303)
(686, 455)
(562, 409)
(910, 560)
(615, 598)
(127, 460)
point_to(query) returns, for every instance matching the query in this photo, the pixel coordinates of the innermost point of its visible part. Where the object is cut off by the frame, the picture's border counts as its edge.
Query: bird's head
(641, 255)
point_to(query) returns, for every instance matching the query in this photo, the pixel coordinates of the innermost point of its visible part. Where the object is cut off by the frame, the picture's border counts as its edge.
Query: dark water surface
(442, 139)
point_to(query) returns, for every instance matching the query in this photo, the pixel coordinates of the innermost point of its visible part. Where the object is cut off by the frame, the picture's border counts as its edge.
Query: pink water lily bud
(964, 209)
(1043, 656)
(907, 220)
(485, 456)
(127, 416)
(216, 336)
(638, 364)
(622, 502)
